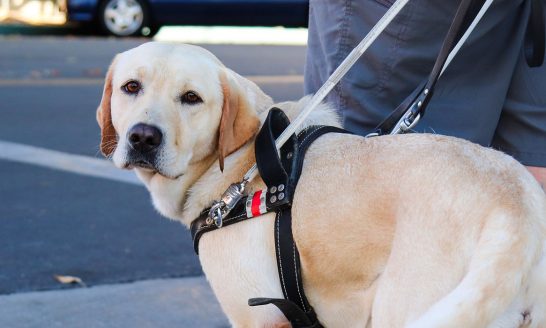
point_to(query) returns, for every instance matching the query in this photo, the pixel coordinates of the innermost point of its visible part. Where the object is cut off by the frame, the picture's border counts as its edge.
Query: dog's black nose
(144, 138)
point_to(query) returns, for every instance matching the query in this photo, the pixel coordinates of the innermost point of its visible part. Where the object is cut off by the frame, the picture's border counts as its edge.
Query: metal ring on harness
(215, 214)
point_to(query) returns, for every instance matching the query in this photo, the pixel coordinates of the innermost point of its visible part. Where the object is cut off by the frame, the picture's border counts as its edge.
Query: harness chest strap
(281, 173)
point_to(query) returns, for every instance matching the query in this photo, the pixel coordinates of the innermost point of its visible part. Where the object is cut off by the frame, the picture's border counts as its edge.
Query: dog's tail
(505, 255)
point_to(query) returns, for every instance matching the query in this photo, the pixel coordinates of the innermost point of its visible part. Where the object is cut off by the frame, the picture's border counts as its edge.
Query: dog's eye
(132, 87)
(191, 98)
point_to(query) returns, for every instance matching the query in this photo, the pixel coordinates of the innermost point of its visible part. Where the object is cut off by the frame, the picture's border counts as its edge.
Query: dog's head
(167, 106)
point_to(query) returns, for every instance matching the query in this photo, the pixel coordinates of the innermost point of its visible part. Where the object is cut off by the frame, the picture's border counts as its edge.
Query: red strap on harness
(255, 205)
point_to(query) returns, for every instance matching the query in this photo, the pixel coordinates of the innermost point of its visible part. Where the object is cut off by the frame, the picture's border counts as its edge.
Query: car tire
(125, 18)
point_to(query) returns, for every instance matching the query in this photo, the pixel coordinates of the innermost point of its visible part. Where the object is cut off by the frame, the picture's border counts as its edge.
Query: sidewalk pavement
(182, 302)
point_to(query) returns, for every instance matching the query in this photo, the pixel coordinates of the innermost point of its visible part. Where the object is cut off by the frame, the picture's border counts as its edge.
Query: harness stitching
(297, 279)
(310, 134)
(279, 255)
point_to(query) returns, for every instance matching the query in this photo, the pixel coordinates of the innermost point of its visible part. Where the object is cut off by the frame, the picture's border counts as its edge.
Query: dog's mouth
(147, 166)
(142, 164)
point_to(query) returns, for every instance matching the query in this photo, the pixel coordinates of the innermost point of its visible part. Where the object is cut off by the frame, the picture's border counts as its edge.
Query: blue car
(145, 17)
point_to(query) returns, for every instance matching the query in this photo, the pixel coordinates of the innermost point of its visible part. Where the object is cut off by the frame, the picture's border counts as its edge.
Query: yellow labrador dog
(395, 231)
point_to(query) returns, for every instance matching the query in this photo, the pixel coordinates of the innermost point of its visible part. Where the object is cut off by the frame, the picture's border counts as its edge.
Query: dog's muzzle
(144, 141)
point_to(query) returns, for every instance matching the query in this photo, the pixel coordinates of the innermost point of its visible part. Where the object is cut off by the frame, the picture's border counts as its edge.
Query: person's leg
(469, 97)
(521, 131)
(382, 78)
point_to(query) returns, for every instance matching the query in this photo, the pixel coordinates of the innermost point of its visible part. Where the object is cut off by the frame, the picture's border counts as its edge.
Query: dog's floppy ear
(108, 138)
(239, 122)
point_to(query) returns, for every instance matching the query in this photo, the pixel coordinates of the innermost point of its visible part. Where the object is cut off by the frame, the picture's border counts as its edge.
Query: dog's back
(461, 228)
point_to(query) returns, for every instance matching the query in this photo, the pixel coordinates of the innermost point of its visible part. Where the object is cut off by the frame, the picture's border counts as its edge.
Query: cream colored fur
(396, 231)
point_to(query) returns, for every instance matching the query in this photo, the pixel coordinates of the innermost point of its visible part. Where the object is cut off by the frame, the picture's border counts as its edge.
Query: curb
(183, 302)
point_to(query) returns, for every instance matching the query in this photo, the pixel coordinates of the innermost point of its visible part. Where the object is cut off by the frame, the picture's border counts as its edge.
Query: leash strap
(414, 106)
(334, 78)
(416, 103)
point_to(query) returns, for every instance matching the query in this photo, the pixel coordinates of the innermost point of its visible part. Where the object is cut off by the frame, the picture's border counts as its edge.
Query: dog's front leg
(239, 262)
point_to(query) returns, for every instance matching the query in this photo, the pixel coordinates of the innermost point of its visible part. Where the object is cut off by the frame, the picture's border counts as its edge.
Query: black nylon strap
(288, 261)
(291, 311)
(461, 20)
(306, 138)
(423, 93)
(295, 306)
(269, 163)
(417, 102)
(200, 226)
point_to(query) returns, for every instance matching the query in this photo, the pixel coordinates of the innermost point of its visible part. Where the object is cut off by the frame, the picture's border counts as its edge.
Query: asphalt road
(57, 222)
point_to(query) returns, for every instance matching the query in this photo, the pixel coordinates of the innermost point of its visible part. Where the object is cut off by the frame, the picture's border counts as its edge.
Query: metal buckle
(410, 122)
(230, 198)
(407, 122)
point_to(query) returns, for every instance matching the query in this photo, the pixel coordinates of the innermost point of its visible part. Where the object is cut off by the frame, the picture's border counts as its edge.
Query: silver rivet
(289, 155)
(426, 92)
(281, 187)
(419, 104)
(281, 196)
(273, 190)
(273, 199)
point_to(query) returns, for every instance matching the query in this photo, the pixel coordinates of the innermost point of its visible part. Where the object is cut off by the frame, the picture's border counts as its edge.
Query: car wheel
(125, 18)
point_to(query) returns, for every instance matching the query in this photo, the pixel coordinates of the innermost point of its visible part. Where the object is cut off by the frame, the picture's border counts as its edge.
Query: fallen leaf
(69, 280)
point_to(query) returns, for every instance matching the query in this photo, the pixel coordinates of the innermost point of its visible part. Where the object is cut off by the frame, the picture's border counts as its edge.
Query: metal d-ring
(215, 215)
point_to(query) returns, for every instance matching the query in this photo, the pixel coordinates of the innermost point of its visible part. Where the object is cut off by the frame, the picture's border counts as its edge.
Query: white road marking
(258, 79)
(57, 160)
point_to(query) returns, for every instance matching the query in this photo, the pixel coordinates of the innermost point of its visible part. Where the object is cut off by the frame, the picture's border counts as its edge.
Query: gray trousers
(488, 94)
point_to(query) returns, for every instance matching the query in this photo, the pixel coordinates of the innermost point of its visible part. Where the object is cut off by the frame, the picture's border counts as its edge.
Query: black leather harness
(281, 173)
